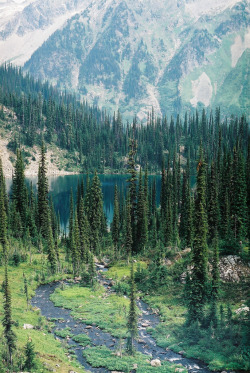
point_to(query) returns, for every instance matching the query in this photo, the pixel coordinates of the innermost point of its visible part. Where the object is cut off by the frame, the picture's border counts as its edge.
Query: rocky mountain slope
(171, 54)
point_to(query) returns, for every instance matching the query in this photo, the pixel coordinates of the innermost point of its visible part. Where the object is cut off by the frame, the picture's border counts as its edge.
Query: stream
(145, 344)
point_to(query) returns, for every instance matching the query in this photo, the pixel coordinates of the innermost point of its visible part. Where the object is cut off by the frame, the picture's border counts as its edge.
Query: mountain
(171, 54)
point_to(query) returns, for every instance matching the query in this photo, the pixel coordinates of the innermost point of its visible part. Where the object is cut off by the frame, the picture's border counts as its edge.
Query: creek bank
(146, 344)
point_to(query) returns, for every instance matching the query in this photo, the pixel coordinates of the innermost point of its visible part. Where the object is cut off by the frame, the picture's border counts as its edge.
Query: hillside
(172, 55)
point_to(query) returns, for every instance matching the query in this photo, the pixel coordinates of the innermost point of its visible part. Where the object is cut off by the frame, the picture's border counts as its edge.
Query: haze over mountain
(170, 54)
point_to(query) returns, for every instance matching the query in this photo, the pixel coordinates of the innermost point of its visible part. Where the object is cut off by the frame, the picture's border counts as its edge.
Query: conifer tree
(116, 221)
(215, 281)
(213, 204)
(132, 316)
(19, 190)
(9, 335)
(3, 223)
(198, 281)
(248, 189)
(42, 196)
(3, 187)
(142, 228)
(26, 290)
(95, 213)
(239, 196)
(71, 244)
(77, 252)
(128, 233)
(84, 233)
(30, 355)
(51, 250)
(92, 269)
(132, 186)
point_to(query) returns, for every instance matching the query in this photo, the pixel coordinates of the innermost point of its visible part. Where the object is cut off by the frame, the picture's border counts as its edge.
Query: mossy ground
(95, 307)
(103, 357)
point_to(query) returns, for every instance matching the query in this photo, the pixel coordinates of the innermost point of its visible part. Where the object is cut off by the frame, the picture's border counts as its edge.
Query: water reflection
(60, 187)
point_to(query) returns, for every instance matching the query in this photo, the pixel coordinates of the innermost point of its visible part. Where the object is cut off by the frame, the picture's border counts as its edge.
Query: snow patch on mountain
(202, 90)
(197, 8)
(18, 49)
(239, 47)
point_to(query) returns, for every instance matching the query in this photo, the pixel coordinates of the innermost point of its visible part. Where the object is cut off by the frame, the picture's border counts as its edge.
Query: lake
(60, 187)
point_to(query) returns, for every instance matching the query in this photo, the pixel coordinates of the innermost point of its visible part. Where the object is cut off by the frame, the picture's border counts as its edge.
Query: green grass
(63, 333)
(95, 307)
(121, 270)
(103, 357)
(82, 339)
(49, 351)
(218, 353)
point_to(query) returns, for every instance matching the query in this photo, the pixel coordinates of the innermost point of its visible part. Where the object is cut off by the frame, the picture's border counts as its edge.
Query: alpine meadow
(124, 186)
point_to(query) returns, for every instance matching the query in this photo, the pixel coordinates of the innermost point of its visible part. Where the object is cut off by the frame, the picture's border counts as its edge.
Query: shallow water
(145, 344)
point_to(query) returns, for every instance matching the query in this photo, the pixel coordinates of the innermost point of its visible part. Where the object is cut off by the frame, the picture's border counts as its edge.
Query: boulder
(28, 326)
(155, 363)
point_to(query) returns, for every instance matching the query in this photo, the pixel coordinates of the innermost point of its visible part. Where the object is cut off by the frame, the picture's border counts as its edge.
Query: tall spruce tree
(132, 316)
(19, 190)
(198, 282)
(128, 241)
(95, 213)
(115, 228)
(8, 332)
(142, 225)
(42, 195)
(132, 187)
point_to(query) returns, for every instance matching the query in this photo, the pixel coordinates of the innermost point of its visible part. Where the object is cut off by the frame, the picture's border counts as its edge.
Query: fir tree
(42, 195)
(239, 197)
(84, 233)
(132, 316)
(132, 187)
(213, 204)
(19, 190)
(26, 290)
(142, 228)
(95, 213)
(115, 229)
(51, 250)
(198, 282)
(9, 335)
(3, 223)
(128, 233)
(29, 355)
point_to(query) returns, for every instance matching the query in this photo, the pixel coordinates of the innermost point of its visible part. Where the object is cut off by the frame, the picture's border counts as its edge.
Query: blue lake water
(60, 187)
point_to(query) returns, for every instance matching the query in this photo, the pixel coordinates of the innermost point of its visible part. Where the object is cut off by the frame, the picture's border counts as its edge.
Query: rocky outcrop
(231, 267)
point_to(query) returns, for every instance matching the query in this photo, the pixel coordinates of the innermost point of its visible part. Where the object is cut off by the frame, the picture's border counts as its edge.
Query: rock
(243, 309)
(168, 262)
(28, 326)
(88, 327)
(135, 366)
(145, 325)
(179, 370)
(140, 340)
(155, 363)
(72, 371)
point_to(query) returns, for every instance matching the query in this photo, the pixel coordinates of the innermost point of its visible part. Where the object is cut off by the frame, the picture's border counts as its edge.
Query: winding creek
(145, 344)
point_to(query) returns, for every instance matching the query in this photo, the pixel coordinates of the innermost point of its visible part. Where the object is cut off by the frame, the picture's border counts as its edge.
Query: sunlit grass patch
(95, 307)
(103, 357)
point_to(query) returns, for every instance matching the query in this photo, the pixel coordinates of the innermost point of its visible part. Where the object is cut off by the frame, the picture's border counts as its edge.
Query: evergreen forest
(169, 256)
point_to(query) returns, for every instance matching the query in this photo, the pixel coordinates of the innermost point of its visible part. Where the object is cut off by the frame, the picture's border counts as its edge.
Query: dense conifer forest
(195, 226)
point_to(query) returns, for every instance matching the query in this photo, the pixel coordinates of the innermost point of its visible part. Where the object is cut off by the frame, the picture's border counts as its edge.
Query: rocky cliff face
(171, 54)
